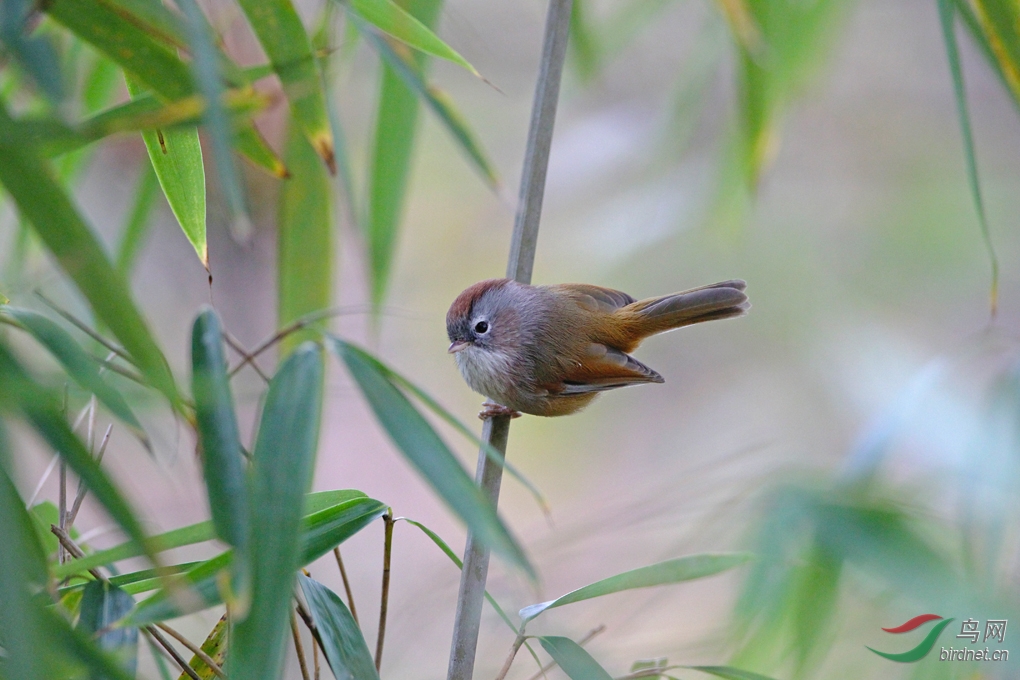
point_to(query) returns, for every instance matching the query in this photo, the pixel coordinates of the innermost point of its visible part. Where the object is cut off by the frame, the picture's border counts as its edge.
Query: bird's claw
(490, 410)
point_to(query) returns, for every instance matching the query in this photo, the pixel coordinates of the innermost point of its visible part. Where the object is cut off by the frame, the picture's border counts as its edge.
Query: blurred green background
(868, 351)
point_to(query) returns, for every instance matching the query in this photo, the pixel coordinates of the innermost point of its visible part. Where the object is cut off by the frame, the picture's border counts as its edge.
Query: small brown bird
(549, 350)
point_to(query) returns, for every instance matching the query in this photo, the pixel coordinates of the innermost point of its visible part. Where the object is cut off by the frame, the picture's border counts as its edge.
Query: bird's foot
(491, 410)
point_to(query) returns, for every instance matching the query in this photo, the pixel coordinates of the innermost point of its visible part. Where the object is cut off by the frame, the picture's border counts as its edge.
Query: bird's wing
(601, 368)
(594, 298)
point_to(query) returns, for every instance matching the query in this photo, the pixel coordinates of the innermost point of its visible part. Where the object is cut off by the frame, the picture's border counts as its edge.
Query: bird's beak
(457, 346)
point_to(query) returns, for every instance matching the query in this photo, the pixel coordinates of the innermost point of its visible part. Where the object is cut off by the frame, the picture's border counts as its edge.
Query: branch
(519, 267)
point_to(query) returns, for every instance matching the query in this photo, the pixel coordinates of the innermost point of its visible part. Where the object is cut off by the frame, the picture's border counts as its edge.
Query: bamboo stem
(384, 599)
(298, 647)
(347, 584)
(519, 267)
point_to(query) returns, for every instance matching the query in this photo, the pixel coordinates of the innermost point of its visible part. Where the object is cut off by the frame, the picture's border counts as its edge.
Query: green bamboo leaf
(1006, 68)
(176, 156)
(54, 137)
(729, 673)
(215, 647)
(205, 66)
(409, 28)
(24, 568)
(42, 201)
(448, 551)
(305, 240)
(218, 435)
(38, 643)
(671, 571)
(112, 27)
(136, 226)
(35, 55)
(946, 16)
(395, 124)
(281, 472)
(79, 364)
(315, 503)
(115, 34)
(571, 657)
(432, 405)
(402, 63)
(342, 641)
(424, 449)
(42, 410)
(286, 43)
(323, 531)
(102, 605)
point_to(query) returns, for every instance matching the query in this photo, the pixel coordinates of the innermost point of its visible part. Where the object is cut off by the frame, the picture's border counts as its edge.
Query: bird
(550, 350)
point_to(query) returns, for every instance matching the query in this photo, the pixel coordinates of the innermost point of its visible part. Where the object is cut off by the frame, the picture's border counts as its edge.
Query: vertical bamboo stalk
(519, 267)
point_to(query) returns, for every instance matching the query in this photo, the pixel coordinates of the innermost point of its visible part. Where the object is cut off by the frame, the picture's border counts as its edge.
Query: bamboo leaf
(286, 43)
(112, 27)
(218, 435)
(80, 366)
(392, 19)
(1008, 69)
(139, 218)
(403, 65)
(323, 531)
(205, 67)
(571, 657)
(115, 34)
(102, 605)
(448, 551)
(281, 472)
(24, 567)
(38, 643)
(728, 672)
(199, 532)
(342, 641)
(36, 55)
(42, 201)
(215, 647)
(423, 448)
(176, 156)
(671, 571)
(396, 119)
(946, 16)
(432, 405)
(305, 240)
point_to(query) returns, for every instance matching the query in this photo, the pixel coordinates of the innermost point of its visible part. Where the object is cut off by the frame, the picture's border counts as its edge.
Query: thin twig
(315, 657)
(158, 637)
(384, 599)
(582, 642)
(298, 647)
(82, 489)
(292, 327)
(194, 649)
(519, 268)
(347, 584)
(80, 325)
(62, 512)
(510, 657)
(68, 544)
(120, 370)
(246, 358)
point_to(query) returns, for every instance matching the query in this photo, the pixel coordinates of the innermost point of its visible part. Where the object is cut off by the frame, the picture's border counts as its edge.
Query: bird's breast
(489, 372)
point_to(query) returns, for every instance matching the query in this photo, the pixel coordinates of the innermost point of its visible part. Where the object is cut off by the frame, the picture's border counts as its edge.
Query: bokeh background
(869, 339)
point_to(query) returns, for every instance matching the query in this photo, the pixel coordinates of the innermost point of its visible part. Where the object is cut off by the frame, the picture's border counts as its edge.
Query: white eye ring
(481, 327)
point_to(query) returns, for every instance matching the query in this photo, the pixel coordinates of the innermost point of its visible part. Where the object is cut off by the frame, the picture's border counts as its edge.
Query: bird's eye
(482, 327)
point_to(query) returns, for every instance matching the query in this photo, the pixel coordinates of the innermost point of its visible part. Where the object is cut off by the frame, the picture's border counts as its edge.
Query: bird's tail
(656, 315)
